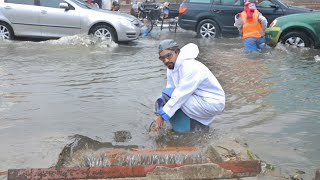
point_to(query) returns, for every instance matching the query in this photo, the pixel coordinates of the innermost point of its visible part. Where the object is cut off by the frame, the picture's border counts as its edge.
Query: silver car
(57, 18)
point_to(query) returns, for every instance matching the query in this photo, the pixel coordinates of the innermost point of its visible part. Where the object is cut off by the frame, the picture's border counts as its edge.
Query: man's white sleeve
(187, 85)
(263, 21)
(170, 83)
(238, 23)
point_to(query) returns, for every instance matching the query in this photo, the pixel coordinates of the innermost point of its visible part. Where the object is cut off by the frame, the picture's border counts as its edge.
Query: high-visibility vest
(251, 28)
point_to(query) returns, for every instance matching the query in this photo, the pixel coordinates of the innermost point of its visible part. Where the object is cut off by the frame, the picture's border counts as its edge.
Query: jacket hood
(187, 52)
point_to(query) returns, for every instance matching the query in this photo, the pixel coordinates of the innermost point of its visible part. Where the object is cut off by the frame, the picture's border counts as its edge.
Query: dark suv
(211, 18)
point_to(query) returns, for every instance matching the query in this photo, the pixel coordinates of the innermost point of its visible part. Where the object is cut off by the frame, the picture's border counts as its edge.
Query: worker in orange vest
(251, 25)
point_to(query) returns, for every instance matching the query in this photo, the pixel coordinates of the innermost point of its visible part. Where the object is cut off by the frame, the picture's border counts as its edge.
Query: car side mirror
(64, 6)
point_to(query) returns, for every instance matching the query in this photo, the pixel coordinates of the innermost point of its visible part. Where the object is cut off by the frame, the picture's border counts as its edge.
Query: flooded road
(53, 90)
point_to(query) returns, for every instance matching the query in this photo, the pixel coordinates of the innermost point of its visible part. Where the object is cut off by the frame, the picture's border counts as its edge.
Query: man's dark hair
(99, 2)
(115, 5)
(174, 48)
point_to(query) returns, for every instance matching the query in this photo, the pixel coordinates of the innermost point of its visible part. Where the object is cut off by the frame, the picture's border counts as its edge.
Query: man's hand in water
(159, 121)
(155, 128)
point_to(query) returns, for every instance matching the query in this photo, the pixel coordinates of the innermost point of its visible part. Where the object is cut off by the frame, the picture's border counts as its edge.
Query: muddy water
(54, 90)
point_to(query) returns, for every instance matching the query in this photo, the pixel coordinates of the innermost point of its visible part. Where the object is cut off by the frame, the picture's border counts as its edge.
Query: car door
(314, 21)
(56, 21)
(24, 17)
(270, 9)
(224, 12)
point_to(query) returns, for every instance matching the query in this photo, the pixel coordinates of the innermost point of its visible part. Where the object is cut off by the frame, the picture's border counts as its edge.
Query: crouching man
(193, 96)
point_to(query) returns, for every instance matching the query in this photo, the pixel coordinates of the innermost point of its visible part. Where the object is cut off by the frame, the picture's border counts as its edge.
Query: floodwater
(54, 90)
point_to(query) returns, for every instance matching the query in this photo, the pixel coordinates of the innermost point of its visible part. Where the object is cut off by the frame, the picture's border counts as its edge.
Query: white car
(58, 18)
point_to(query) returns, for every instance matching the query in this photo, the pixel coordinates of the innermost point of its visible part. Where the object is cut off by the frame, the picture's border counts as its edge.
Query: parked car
(298, 30)
(57, 18)
(211, 18)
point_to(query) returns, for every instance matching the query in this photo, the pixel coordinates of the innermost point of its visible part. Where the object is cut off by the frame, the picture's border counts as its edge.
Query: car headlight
(273, 23)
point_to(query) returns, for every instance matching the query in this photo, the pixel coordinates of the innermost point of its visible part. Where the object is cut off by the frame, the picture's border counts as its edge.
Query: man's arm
(187, 85)
(238, 22)
(263, 21)
(170, 83)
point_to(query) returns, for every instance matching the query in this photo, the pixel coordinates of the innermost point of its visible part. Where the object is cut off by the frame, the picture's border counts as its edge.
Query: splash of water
(82, 40)
(89, 158)
(317, 58)
(161, 158)
(85, 152)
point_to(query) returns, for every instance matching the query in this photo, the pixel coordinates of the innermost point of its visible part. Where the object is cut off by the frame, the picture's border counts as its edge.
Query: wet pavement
(53, 91)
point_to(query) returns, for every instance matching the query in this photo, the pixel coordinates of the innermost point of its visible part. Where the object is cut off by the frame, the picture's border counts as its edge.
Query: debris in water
(251, 155)
(122, 136)
(317, 58)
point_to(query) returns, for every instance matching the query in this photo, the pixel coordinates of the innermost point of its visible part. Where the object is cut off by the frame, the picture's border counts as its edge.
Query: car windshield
(280, 1)
(81, 4)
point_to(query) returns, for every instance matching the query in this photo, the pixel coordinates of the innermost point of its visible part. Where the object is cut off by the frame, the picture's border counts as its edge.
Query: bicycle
(153, 13)
(149, 14)
(171, 13)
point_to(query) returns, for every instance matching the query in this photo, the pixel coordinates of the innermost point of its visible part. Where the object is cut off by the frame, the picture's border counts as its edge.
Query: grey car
(58, 18)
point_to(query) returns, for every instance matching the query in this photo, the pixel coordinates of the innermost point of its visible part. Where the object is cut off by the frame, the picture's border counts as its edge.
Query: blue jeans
(254, 44)
(180, 122)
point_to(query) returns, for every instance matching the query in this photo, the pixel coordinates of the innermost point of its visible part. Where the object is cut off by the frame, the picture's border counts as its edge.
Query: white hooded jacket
(197, 91)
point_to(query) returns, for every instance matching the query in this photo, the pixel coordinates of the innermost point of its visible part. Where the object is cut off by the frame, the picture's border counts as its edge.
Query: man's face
(168, 57)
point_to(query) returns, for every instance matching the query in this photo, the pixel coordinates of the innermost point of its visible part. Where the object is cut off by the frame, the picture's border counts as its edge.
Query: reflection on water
(78, 85)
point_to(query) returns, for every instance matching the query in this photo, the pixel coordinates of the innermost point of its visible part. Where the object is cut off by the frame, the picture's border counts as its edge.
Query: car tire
(297, 39)
(104, 32)
(6, 31)
(208, 29)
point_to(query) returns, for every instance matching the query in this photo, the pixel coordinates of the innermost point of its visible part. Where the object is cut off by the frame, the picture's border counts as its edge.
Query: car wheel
(5, 31)
(104, 32)
(296, 39)
(208, 29)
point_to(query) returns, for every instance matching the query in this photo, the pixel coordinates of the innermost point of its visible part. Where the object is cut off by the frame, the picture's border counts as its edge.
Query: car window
(264, 3)
(26, 2)
(230, 2)
(51, 3)
(201, 1)
(81, 4)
